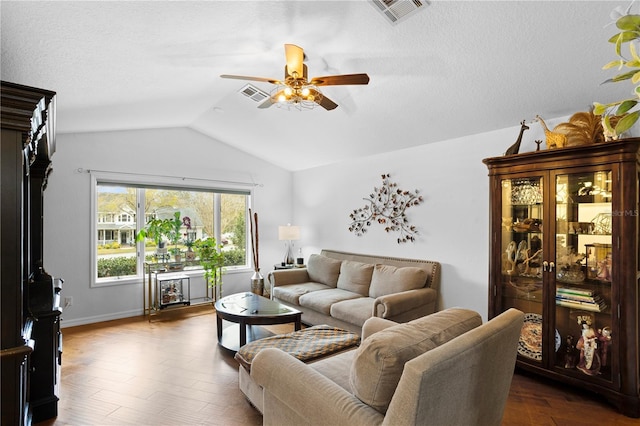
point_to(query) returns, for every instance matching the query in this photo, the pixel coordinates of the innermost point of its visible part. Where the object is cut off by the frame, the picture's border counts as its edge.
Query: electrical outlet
(68, 301)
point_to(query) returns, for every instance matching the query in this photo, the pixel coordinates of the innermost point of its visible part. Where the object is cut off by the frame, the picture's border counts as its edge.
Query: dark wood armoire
(565, 250)
(31, 341)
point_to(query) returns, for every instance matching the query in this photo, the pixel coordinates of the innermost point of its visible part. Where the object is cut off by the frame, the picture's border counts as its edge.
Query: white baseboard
(99, 318)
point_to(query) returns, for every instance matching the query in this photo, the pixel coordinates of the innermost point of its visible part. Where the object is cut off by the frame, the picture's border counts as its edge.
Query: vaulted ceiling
(452, 69)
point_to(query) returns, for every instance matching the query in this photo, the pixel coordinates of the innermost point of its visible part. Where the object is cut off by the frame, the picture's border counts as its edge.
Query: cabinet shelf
(576, 275)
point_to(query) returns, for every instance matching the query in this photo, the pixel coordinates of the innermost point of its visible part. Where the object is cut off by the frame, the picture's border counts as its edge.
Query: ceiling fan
(296, 89)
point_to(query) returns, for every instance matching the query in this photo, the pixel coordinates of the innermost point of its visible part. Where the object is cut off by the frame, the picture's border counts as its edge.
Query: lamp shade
(288, 233)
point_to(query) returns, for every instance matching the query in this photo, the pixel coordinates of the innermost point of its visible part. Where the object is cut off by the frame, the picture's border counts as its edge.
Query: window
(204, 212)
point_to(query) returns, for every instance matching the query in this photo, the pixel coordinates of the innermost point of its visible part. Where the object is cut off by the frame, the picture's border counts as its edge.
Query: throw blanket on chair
(308, 344)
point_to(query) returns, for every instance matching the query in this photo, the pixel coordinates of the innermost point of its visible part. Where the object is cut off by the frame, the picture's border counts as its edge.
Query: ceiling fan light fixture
(300, 97)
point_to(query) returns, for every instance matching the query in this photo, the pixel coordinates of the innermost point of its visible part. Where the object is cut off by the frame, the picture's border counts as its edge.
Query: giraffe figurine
(513, 149)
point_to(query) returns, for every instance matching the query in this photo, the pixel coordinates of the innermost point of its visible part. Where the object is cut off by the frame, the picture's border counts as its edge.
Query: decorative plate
(530, 344)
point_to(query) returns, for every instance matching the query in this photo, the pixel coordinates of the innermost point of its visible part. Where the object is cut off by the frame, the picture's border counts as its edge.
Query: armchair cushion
(379, 361)
(323, 269)
(387, 279)
(355, 277)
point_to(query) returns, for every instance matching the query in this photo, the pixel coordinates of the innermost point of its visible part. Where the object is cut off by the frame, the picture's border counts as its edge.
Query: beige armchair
(458, 372)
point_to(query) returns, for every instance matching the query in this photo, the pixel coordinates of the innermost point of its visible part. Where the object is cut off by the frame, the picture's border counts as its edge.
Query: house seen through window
(122, 210)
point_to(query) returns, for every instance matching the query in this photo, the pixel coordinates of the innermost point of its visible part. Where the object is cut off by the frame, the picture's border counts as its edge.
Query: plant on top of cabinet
(620, 116)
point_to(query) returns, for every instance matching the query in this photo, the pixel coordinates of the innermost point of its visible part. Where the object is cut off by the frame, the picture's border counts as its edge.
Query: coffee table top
(253, 306)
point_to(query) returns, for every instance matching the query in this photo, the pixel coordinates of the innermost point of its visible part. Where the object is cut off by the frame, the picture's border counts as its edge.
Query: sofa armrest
(375, 324)
(396, 304)
(295, 393)
(288, 276)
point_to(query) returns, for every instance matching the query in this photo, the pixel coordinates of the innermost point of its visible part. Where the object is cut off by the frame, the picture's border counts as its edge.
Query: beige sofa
(345, 289)
(443, 369)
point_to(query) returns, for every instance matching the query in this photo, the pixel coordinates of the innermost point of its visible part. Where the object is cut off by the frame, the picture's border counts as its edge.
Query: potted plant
(620, 116)
(157, 229)
(174, 227)
(212, 261)
(189, 239)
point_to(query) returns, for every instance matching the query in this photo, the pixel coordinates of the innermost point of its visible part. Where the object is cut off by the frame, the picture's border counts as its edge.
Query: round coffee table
(248, 309)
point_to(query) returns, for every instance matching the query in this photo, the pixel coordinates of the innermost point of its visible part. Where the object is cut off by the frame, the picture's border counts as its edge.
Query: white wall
(452, 221)
(166, 152)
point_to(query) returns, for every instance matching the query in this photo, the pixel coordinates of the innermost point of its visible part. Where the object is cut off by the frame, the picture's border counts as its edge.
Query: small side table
(278, 266)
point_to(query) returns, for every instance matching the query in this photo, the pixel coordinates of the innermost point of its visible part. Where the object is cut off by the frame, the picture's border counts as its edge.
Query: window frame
(166, 182)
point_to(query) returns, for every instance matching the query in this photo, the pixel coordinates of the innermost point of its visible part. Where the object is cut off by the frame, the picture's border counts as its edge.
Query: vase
(257, 283)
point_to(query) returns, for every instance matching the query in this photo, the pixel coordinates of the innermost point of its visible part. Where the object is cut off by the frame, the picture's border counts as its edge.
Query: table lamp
(288, 233)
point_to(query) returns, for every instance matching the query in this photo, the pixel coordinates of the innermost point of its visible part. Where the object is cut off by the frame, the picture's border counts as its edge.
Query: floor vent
(254, 93)
(399, 10)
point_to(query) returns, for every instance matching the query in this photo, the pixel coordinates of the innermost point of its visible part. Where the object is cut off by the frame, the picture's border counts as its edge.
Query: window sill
(110, 282)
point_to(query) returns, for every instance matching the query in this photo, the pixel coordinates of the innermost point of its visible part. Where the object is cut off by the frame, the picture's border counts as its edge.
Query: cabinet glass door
(583, 273)
(521, 244)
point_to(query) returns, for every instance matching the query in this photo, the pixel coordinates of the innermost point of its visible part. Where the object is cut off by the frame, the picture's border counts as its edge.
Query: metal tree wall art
(387, 206)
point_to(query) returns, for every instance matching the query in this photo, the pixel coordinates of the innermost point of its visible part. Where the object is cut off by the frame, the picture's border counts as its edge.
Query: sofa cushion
(387, 279)
(321, 301)
(291, 293)
(323, 269)
(355, 276)
(379, 361)
(354, 311)
(336, 368)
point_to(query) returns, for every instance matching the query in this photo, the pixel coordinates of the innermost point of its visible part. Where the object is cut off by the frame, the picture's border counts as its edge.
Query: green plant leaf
(627, 122)
(629, 22)
(624, 37)
(619, 63)
(634, 54)
(619, 44)
(624, 76)
(625, 106)
(598, 108)
(607, 124)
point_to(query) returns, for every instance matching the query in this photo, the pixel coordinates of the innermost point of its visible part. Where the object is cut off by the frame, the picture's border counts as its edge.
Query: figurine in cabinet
(604, 268)
(533, 257)
(589, 362)
(604, 336)
(569, 352)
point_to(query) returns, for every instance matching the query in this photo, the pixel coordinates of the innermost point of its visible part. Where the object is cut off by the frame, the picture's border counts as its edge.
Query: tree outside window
(218, 214)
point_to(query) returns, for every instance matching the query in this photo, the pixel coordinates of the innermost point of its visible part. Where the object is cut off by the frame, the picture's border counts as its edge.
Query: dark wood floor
(171, 372)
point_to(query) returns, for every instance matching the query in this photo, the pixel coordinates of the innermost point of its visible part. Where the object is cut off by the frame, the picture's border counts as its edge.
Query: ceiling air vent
(254, 93)
(398, 10)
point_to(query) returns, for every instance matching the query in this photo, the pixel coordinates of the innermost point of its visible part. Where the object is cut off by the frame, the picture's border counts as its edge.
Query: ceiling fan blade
(327, 103)
(242, 77)
(335, 80)
(295, 56)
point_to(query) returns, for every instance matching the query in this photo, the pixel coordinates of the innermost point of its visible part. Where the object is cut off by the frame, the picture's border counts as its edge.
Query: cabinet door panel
(584, 323)
(521, 241)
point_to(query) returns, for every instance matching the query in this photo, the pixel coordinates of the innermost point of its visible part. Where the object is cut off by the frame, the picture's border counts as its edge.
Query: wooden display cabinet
(564, 249)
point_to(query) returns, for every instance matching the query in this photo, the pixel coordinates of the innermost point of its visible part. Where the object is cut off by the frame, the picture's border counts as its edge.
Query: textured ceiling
(453, 69)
